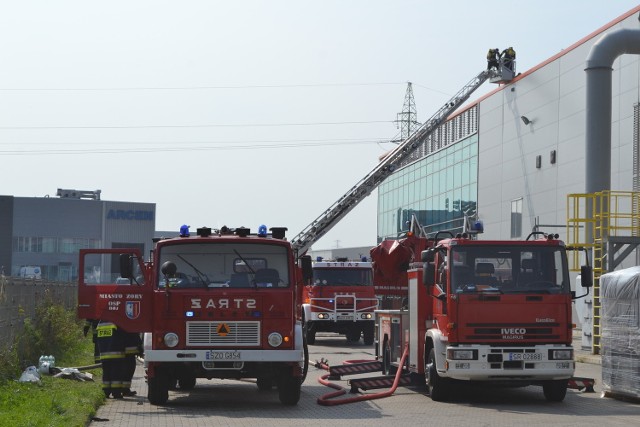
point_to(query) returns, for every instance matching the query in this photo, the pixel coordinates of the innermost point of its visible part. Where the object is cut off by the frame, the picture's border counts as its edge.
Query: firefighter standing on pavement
(132, 348)
(111, 342)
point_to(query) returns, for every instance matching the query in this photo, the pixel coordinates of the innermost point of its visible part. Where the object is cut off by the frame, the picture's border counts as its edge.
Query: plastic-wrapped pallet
(620, 332)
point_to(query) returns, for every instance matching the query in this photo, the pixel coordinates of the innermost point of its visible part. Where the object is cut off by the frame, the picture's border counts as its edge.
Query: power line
(177, 148)
(195, 126)
(246, 141)
(310, 85)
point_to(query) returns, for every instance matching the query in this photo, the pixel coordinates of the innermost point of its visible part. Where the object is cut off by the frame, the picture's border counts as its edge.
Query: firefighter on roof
(508, 56)
(492, 59)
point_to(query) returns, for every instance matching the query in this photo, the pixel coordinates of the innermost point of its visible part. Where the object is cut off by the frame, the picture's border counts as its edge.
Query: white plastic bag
(30, 375)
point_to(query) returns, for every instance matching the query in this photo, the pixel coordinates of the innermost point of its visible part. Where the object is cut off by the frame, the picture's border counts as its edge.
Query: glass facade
(61, 270)
(439, 190)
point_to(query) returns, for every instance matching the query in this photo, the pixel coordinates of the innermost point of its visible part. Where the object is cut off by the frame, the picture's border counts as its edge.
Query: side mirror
(429, 274)
(586, 276)
(126, 266)
(427, 256)
(307, 270)
(169, 268)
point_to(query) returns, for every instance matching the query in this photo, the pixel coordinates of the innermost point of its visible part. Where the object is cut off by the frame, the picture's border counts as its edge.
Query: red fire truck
(341, 299)
(222, 304)
(486, 312)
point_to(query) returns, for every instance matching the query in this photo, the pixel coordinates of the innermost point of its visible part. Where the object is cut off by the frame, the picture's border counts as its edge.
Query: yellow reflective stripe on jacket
(108, 355)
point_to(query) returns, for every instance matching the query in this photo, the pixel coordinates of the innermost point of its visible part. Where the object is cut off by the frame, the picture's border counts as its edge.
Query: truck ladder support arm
(325, 222)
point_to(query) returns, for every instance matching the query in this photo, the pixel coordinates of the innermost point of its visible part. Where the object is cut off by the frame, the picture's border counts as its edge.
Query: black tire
(186, 382)
(264, 383)
(305, 363)
(289, 390)
(368, 333)
(158, 392)
(555, 391)
(309, 332)
(437, 386)
(353, 335)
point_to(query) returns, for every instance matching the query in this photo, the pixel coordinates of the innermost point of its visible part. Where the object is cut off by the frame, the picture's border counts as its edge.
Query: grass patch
(55, 401)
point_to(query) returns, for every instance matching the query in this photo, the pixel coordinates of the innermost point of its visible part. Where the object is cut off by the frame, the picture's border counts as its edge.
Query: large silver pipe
(598, 109)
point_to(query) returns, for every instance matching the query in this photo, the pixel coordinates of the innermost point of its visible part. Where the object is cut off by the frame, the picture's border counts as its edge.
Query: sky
(242, 113)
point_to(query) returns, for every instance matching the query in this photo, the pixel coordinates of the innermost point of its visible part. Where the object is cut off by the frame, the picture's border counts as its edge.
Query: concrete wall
(18, 299)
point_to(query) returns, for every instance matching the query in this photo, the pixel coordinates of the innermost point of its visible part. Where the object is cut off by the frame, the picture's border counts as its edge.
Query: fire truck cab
(341, 298)
(487, 312)
(221, 304)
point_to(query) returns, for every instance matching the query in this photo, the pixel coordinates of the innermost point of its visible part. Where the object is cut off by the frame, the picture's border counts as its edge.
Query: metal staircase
(612, 218)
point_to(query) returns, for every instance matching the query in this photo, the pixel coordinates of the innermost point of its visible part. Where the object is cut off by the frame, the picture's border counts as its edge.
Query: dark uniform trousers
(111, 343)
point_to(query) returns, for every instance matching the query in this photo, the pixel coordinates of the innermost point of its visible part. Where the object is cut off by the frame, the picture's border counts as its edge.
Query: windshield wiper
(200, 274)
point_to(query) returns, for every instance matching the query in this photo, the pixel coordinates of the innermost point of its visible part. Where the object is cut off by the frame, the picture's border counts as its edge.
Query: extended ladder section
(325, 222)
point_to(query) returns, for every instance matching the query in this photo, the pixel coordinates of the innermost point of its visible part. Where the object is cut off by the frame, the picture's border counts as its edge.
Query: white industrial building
(537, 153)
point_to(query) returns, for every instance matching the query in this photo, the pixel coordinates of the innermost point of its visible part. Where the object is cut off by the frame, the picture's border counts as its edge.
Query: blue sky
(246, 112)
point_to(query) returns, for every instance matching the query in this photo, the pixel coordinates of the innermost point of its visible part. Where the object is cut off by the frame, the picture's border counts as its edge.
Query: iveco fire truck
(341, 299)
(486, 312)
(221, 304)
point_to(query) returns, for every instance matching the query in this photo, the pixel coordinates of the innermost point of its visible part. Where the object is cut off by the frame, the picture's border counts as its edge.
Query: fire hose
(325, 400)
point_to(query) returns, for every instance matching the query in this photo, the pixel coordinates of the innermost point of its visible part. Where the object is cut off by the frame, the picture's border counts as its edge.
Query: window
(516, 218)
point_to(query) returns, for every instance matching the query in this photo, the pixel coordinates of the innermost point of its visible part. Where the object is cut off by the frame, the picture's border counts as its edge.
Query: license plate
(525, 356)
(223, 355)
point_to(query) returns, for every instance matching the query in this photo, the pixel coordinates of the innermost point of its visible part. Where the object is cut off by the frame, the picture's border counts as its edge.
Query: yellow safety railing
(602, 215)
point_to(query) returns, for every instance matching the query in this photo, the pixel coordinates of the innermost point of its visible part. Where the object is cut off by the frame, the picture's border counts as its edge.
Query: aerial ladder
(325, 222)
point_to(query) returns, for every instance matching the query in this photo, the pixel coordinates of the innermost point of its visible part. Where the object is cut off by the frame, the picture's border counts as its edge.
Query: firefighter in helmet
(508, 57)
(492, 59)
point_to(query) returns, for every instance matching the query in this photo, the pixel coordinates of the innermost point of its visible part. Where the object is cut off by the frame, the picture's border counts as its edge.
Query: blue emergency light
(184, 231)
(262, 231)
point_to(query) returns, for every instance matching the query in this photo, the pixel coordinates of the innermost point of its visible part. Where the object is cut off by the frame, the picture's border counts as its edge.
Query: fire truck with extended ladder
(484, 323)
(489, 312)
(313, 310)
(341, 298)
(226, 304)
(219, 304)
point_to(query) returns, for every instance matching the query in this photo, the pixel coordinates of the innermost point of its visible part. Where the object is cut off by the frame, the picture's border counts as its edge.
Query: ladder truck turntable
(340, 298)
(219, 304)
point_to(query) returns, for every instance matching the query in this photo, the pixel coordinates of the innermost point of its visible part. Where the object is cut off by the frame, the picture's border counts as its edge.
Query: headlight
(453, 354)
(561, 354)
(275, 339)
(366, 316)
(171, 339)
(323, 316)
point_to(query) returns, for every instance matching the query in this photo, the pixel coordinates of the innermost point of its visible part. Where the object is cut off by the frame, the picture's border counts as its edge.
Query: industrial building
(42, 235)
(555, 149)
(512, 157)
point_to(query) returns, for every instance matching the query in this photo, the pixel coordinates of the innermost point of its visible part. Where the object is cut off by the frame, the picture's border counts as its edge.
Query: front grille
(223, 334)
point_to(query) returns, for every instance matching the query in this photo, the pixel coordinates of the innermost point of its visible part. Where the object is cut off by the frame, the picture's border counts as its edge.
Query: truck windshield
(511, 269)
(225, 265)
(342, 276)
